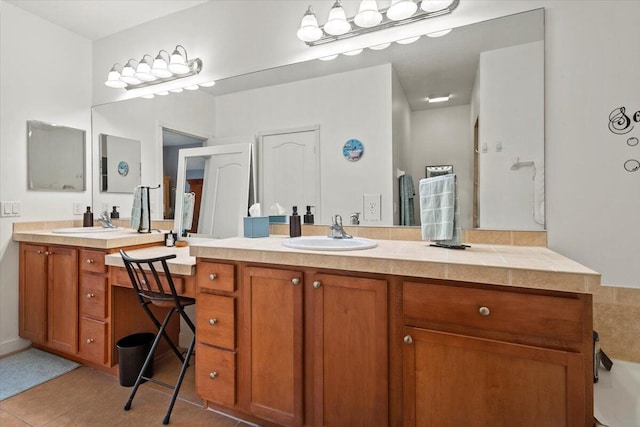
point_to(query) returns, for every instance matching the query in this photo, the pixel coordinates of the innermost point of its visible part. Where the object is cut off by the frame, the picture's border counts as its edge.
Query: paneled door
(288, 168)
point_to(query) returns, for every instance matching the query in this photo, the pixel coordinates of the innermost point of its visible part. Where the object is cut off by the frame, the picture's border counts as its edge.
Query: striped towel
(139, 215)
(187, 210)
(439, 210)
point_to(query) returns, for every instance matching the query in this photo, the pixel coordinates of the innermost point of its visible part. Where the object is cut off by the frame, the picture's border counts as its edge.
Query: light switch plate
(16, 208)
(371, 207)
(10, 208)
(78, 208)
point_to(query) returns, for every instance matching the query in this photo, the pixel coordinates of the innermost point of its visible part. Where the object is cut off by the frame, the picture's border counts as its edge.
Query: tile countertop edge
(492, 264)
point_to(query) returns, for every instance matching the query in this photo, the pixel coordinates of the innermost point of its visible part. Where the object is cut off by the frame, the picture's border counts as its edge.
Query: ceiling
(95, 19)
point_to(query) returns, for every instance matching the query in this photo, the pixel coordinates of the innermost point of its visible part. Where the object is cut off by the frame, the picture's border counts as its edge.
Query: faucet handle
(337, 220)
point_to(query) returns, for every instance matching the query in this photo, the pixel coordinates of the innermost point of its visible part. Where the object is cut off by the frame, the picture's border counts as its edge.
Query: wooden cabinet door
(62, 266)
(454, 380)
(350, 350)
(272, 310)
(33, 293)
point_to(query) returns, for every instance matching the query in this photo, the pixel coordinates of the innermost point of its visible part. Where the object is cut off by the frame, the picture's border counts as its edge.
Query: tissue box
(256, 226)
(277, 219)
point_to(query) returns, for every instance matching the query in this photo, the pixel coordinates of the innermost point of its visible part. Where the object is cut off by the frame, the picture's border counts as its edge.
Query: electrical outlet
(78, 208)
(371, 207)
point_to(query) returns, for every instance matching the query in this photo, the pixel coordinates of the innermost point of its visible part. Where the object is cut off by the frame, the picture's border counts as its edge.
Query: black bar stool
(150, 290)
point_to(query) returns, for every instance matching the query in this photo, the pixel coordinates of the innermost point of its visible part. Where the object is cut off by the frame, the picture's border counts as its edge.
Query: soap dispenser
(114, 213)
(308, 217)
(295, 230)
(87, 220)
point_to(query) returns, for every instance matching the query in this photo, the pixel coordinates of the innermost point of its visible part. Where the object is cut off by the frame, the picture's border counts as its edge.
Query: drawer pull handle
(90, 296)
(90, 261)
(408, 340)
(295, 281)
(89, 340)
(213, 321)
(213, 375)
(213, 276)
(317, 284)
(484, 311)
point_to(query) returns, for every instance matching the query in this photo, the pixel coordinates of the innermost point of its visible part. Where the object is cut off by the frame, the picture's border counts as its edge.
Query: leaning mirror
(119, 164)
(55, 157)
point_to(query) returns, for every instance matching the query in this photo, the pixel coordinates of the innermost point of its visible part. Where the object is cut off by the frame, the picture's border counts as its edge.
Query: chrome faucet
(337, 232)
(105, 220)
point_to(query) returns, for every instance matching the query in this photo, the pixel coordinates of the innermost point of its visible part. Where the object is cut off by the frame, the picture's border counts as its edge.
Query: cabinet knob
(213, 321)
(143, 282)
(39, 252)
(47, 253)
(317, 284)
(484, 311)
(295, 281)
(90, 296)
(408, 340)
(213, 276)
(213, 375)
(89, 340)
(90, 261)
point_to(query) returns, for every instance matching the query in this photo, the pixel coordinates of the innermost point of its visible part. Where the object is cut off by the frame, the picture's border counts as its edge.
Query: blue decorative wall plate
(353, 150)
(123, 168)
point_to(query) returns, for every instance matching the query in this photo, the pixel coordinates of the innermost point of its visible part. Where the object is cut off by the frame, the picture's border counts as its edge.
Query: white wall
(354, 104)
(511, 126)
(401, 122)
(45, 74)
(142, 120)
(442, 136)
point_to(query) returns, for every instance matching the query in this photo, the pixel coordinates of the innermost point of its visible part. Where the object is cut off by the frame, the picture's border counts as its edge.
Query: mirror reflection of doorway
(172, 141)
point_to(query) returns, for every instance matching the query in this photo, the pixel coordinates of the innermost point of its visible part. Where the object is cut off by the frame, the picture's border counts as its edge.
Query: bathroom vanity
(400, 334)
(495, 335)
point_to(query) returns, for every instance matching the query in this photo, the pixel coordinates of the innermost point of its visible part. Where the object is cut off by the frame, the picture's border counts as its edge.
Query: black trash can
(132, 351)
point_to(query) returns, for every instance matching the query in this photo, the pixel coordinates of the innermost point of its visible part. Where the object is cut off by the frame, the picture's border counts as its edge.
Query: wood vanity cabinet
(487, 357)
(49, 296)
(93, 302)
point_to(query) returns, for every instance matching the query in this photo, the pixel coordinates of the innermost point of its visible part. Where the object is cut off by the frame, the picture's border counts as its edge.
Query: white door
(225, 189)
(289, 172)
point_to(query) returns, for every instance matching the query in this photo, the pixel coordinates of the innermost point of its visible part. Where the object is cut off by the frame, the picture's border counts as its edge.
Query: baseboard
(13, 345)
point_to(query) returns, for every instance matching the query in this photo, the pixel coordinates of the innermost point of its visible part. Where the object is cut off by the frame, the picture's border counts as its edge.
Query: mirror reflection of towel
(187, 210)
(439, 213)
(139, 216)
(406, 200)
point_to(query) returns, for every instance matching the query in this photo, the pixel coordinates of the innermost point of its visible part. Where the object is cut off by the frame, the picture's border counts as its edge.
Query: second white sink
(324, 243)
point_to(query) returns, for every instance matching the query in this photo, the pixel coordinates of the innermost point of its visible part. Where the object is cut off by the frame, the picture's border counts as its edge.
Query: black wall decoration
(621, 123)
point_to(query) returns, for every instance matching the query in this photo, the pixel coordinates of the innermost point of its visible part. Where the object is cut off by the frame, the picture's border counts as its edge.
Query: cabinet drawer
(215, 320)
(93, 296)
(216, 375)
(92, 261)
(504, 312)
(121, 278)
(93, 340)
(217, 277)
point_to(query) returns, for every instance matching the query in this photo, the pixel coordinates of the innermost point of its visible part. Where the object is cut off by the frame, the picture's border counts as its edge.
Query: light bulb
(439, 33)
(401, 9)
(435, 5)
(178, 63)
(353, 52)
(128, 75)
(160, 68)
(113, 79)
(408, 40)
(380, 46)
(208, 84)
(192, 87)
(143, 71)
(337, 23)
(328, 58)
(309, 30)
(368, 15)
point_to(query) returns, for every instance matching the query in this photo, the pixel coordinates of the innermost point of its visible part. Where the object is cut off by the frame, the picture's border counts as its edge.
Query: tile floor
(86, 397)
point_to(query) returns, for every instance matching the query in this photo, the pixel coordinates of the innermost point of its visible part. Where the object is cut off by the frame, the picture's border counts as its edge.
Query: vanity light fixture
(151, 71)
(369, 19)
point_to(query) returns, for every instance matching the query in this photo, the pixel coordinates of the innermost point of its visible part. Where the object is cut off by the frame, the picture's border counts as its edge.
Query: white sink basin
(75, 230)
(324, 243)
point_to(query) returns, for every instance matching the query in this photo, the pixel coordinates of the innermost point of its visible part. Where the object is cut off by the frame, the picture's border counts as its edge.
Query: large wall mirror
(55, 157)
(491, 131)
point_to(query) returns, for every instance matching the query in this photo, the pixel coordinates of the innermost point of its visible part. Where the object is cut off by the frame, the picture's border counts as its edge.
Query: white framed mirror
(55, 157)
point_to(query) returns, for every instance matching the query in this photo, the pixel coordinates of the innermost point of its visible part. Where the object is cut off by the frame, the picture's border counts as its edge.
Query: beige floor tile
(85, 397)
(8, 420)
